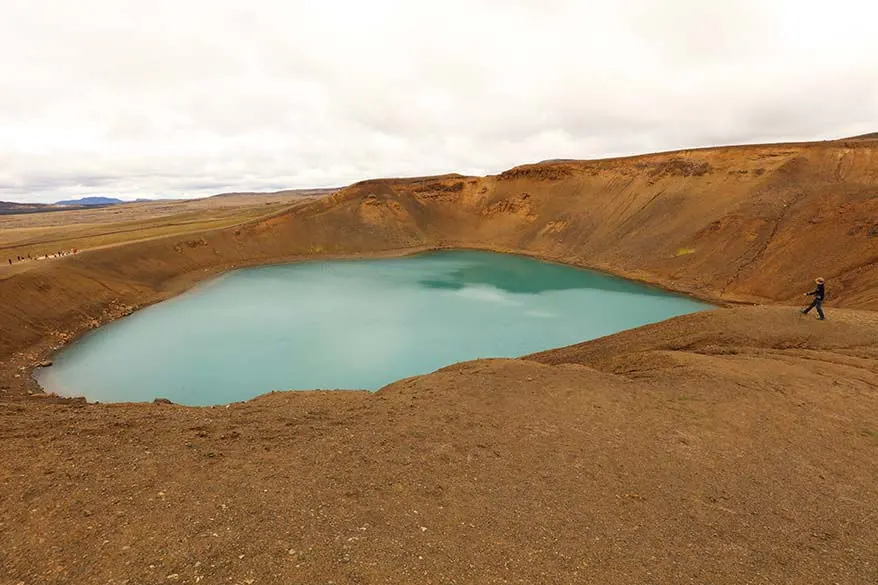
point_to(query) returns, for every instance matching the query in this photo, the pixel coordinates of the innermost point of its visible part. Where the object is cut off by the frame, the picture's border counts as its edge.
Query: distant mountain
(91, 201)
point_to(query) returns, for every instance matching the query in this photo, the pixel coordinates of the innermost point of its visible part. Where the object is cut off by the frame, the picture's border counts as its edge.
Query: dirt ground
(43, 236)
(736, 446)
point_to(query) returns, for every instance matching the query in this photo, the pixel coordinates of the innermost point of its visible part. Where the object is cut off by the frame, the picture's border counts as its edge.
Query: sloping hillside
(748, 223)
(752, 224)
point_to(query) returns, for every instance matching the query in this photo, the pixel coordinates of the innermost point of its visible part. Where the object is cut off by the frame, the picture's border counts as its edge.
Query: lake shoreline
(187, 281)
(477, 268)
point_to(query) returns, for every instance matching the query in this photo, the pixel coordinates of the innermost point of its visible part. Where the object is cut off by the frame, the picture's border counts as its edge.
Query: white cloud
(190, 97)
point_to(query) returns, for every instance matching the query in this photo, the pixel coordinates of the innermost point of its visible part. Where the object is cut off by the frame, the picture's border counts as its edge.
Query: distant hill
(870, 136)
(91, 201)
(557, 160)
(291, 192)
(10, 207)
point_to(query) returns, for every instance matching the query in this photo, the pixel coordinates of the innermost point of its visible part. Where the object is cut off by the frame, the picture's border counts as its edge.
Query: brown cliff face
(751, 223)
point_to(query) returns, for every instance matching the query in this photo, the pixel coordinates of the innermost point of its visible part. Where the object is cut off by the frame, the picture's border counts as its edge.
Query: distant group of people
(57, 254)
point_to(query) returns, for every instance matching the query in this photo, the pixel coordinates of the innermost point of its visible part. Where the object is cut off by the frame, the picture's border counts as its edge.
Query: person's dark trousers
(818, 303)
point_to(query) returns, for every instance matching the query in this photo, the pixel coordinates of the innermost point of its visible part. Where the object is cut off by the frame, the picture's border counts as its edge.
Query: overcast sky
(171, 98)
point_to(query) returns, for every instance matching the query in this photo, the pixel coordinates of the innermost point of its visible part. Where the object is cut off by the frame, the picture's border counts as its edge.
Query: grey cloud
(186, 99)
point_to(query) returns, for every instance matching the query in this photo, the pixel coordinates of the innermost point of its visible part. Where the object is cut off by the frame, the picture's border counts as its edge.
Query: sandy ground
(737, 446)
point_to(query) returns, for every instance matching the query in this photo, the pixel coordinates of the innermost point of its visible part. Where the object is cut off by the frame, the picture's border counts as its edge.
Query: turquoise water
(348, 324)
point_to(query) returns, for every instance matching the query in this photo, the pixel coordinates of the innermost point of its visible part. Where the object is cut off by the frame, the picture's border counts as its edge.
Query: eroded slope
(753, 223)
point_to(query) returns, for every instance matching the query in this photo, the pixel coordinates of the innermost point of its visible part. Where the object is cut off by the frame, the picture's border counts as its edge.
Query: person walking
(819, 294)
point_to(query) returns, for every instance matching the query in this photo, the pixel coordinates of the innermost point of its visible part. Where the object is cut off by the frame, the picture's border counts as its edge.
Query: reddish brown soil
(735, 446)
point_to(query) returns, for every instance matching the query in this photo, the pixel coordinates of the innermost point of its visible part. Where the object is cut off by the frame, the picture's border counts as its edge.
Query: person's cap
(820, 280)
